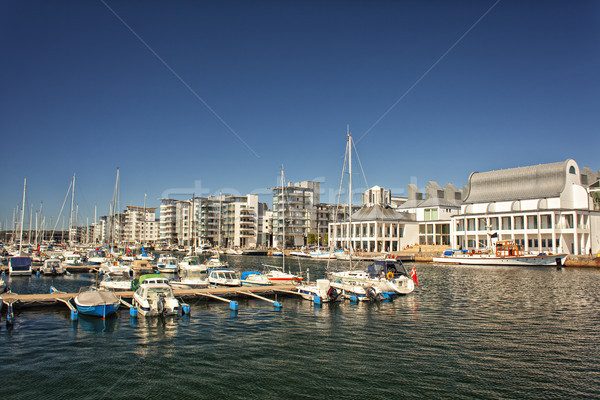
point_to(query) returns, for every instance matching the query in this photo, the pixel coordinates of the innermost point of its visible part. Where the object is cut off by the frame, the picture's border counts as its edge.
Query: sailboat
(277, 274)
(21, 264)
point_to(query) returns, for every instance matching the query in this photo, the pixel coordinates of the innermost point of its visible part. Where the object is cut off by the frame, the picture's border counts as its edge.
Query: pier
(20, 301)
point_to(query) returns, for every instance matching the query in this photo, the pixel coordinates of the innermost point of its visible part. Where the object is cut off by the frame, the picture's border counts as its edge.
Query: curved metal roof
(532, 182)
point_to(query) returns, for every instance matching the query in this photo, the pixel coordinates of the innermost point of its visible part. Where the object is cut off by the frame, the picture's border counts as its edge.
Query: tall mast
(192, 244)
(71, 214)
(113, 232)
(30, 217)
(220, 217)
(22, 215)
(283, 217)
(144, 222)
(349, 193)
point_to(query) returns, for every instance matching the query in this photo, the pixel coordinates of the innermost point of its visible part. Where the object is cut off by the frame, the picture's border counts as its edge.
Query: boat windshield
(227, 275)
(53, 264)
(155, 291)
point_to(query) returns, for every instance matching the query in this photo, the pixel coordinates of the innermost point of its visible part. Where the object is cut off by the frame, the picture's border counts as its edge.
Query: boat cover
(96, 298)
(20, 263)
(246, 274)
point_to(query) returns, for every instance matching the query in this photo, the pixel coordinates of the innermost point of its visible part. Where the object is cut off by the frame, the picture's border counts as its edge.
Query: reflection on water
(466, 332)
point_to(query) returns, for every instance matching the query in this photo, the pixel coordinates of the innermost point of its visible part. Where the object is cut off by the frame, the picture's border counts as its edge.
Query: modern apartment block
(141, 226)
(544, 208)
(297, 204)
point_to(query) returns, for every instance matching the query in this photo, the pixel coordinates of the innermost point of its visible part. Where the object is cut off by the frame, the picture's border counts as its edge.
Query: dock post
(186, 308)
(74, 315)
(133, 312)
(10, 316)
(317, 300)
(233, 305)
(354, 299)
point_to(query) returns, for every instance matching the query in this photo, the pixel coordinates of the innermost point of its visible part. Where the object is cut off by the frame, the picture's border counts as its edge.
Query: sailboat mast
(283, 218)
(71, 214)
(349, 193)
(22, 215)
(220, 217)
(113, 232)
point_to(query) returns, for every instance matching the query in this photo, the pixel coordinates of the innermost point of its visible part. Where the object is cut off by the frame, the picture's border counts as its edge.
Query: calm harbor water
(465, 333)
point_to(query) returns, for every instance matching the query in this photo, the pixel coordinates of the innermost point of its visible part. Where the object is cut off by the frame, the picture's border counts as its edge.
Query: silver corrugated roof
(379, 213)
(532, 182)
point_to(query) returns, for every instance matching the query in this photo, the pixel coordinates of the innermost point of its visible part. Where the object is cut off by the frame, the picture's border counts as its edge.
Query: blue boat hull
(101, 311)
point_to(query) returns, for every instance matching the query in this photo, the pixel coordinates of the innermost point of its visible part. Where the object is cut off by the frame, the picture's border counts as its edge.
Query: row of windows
(520, 222)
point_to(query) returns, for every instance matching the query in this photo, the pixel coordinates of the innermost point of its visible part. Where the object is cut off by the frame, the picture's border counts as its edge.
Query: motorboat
(145, 257)
(140, 267)
(167, 264)
(504, 252)
(234, 252)
(191, 280)
(321, 290)
(154, 296)
(96, 303)
(389, 277)
(277, 275)
(96, 257)
(191, 263)
(72, 258)
(253, 278)
(221, 276)
(52, 266)
(214, 262)
(323, 255)
(116, 282)
(20, 265)
(115, 268)
(300, 253)
(356, 290)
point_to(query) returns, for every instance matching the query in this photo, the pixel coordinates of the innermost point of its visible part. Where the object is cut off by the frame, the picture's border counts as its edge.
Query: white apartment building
(167, 221)
(545, 208)
(141, 226)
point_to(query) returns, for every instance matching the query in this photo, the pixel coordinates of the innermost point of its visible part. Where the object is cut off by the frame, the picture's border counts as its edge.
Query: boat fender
(160, 305)
(332, 293)
(370, 292)
(390, 275)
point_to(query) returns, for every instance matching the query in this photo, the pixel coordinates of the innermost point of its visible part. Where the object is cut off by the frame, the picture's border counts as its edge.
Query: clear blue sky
(80, 93)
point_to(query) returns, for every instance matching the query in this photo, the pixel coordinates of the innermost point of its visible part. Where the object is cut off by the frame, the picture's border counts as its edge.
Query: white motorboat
(72, 258)
(323, 255)
(96, 257)
(191, 263)
(167, 264)
(389, 276)
(356, 290)
(506, 253)
(52, 266)
(116, 268)
(116, 282)
(234, 252)
(277, 275)
(220, 276)
(154, 296)
(253, 278)
(215, 262)
(191, 280)
(322, 290)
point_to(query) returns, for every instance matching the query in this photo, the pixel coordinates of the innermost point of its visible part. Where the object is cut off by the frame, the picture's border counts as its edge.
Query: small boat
(145, 257)
(96, 257)
(356, 290)
(277, 254)
(191, 280)
(191, 263)
(167, 264)
(300, 253)
(115, 268)
(277, 275)
(116, 282)
(234, 252)
(153, 296)
(253, 278)
(220, 276)
(505, 253)
(322, 289)
(20, 265)
(324, 255)
(389, 277)
(214, 262)
(73, 258)
(2, 288)
(140, 267)
(128, 257)
(52, 267)
(96, 303)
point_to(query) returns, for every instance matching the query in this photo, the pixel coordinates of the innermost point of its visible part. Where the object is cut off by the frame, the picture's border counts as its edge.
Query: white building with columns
(545, 208)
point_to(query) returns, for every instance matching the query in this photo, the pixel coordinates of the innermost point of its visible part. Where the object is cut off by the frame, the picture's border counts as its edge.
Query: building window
(482, 225)
(506, 224)
(532, 222)
(519, 222)
(471, 224)
(572, 170)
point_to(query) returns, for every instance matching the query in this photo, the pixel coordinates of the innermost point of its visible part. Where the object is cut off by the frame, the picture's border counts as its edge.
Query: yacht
(167, 264)
(52, 267)
(220, 276)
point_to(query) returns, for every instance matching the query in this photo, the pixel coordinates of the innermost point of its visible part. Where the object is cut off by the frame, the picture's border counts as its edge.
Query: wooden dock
(46, 299)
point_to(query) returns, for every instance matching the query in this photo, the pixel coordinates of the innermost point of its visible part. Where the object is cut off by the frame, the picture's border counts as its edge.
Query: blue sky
(80, 93)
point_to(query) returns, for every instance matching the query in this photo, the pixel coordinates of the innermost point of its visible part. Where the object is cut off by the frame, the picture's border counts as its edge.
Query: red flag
(413, 275)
